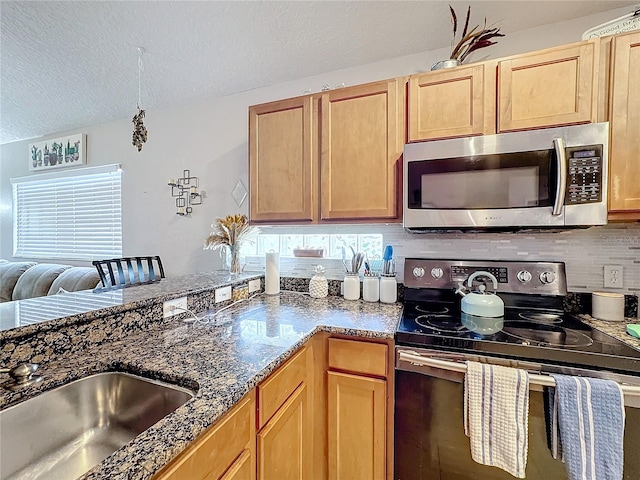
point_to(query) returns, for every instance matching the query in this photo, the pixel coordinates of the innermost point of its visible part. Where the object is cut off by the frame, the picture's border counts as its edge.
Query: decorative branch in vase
(470, 40)
(228, 234)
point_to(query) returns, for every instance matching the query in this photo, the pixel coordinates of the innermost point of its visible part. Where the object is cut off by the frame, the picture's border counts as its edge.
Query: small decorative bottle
(318, 285)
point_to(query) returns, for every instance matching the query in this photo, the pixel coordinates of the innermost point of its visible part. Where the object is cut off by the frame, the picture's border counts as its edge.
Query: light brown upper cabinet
(330, 157)
(456, 102)
(362, 136)
(624, 117)
(557, 86)
(282, 161)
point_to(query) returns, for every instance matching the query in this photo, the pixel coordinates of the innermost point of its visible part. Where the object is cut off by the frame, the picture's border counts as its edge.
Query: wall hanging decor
(68, 151)
(185, 191)
(139, 136)
(470, 40)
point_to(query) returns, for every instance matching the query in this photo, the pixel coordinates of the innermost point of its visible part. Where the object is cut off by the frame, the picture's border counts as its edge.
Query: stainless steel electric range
(435, 338)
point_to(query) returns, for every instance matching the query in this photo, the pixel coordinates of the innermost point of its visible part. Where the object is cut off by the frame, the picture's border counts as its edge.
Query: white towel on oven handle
(496, 416)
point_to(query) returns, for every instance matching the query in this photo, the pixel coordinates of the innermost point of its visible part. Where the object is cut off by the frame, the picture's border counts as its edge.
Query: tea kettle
(482, 303)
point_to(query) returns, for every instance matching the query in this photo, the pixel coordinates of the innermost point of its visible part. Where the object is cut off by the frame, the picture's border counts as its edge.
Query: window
(69, 215)
(335, 245)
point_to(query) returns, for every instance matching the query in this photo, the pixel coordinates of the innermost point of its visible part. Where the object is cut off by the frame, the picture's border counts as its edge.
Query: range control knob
(418, 272)
(524, 276)
(436, 272)
(547, 277)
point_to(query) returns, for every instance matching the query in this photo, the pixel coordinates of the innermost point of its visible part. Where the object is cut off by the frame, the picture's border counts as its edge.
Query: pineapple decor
(318, 285)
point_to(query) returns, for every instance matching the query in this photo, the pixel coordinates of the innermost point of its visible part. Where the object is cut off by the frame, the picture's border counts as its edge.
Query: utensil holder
(388, 288)
(371, 288)
(351, 286)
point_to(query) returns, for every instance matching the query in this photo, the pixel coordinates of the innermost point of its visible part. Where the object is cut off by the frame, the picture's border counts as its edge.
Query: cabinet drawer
(358, 357)
(212, 453)
(275, 390)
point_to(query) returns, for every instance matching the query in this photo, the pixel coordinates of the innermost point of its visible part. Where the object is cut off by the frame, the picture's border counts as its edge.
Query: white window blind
(75, 215)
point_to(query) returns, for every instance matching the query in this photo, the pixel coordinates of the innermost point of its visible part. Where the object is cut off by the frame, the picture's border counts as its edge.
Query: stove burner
(435, 309)
(541, 317)
(440, 323)
(549, 335)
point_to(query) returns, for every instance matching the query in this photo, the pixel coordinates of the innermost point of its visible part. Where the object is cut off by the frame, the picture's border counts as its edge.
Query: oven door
(430, 443)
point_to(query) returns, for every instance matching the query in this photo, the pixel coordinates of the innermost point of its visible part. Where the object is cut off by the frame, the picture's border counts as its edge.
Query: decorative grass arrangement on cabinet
(470, 40)
(228, 234)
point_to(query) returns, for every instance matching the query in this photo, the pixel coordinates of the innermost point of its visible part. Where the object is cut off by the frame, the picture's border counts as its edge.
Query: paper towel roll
(272, 273)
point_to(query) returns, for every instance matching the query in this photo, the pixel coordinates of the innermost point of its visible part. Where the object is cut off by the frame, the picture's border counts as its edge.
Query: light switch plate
(254, 285)
(223, 294)
(168, 307)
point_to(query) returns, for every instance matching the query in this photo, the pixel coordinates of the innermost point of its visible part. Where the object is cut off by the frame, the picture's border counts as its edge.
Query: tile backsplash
(584, 251)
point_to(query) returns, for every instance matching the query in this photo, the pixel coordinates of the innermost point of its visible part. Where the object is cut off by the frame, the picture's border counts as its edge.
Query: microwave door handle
(561, 186)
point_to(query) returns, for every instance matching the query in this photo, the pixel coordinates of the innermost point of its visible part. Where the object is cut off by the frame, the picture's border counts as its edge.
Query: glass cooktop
(522, 333)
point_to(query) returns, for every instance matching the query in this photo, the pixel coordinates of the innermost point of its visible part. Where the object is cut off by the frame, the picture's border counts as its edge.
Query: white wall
(210, 139)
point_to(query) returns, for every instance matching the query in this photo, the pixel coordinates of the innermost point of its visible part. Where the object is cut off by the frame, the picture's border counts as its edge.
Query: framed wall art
(67, 151)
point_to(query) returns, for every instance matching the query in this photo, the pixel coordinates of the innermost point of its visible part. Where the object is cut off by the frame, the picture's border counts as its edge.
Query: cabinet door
(362, 134)
(282, 164)
(284, 444)
(554, 87)
(218, 448)
(241, 469)
(357, 427)
(452, 103)
(624, 151)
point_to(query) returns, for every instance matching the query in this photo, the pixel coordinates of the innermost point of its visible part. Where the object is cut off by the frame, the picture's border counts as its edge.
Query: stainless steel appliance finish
(555, 177)
(544, 278)
(434, 339)
(63, 433)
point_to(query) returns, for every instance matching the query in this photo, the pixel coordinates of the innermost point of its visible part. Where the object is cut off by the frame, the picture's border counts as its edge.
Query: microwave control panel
(584, 176)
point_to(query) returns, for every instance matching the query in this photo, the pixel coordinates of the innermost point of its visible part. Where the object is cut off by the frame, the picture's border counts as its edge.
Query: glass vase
(232, 259)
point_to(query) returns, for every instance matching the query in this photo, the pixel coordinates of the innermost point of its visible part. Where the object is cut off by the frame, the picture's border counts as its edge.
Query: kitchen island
(223, 360)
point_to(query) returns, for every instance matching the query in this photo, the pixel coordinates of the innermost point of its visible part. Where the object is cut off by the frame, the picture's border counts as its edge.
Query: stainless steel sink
(65, 432)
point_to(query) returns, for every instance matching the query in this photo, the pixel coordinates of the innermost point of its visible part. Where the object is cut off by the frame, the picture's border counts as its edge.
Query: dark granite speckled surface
(224, 361)
(615, 329)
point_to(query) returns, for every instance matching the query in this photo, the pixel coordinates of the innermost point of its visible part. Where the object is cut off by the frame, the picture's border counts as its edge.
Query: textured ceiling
(69, 64)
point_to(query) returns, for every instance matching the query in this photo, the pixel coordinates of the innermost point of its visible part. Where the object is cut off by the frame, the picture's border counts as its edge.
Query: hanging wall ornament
(139, 130)
(139, 136)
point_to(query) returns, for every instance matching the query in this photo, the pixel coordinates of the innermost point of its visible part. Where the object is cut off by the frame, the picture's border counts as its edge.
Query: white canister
(388, 288)
(607, 306)
(370, 288)
(351, 286)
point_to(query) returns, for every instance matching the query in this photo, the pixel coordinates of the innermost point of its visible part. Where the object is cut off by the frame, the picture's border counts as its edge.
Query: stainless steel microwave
(554, 177)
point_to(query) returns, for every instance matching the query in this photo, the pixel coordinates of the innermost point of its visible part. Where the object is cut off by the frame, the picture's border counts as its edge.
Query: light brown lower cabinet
(226, 450)
(322, 414)
(284, 444)
(241, 469)
(357, 427)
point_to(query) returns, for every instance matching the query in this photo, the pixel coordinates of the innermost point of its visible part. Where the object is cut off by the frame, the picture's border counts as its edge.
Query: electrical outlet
(169, 307)
(223, 294)
(254, 285)
(613, 276)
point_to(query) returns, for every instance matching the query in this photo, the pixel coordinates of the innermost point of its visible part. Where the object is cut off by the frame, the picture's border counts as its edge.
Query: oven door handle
(561, 186)
(631, 392)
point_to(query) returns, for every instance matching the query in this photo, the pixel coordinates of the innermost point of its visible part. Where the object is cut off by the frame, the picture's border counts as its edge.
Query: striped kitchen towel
(496, 416)
(587, 427)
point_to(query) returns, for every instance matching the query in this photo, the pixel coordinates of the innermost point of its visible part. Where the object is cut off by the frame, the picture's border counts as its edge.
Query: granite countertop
(224, 360)
(23, 317)
(617, 330)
